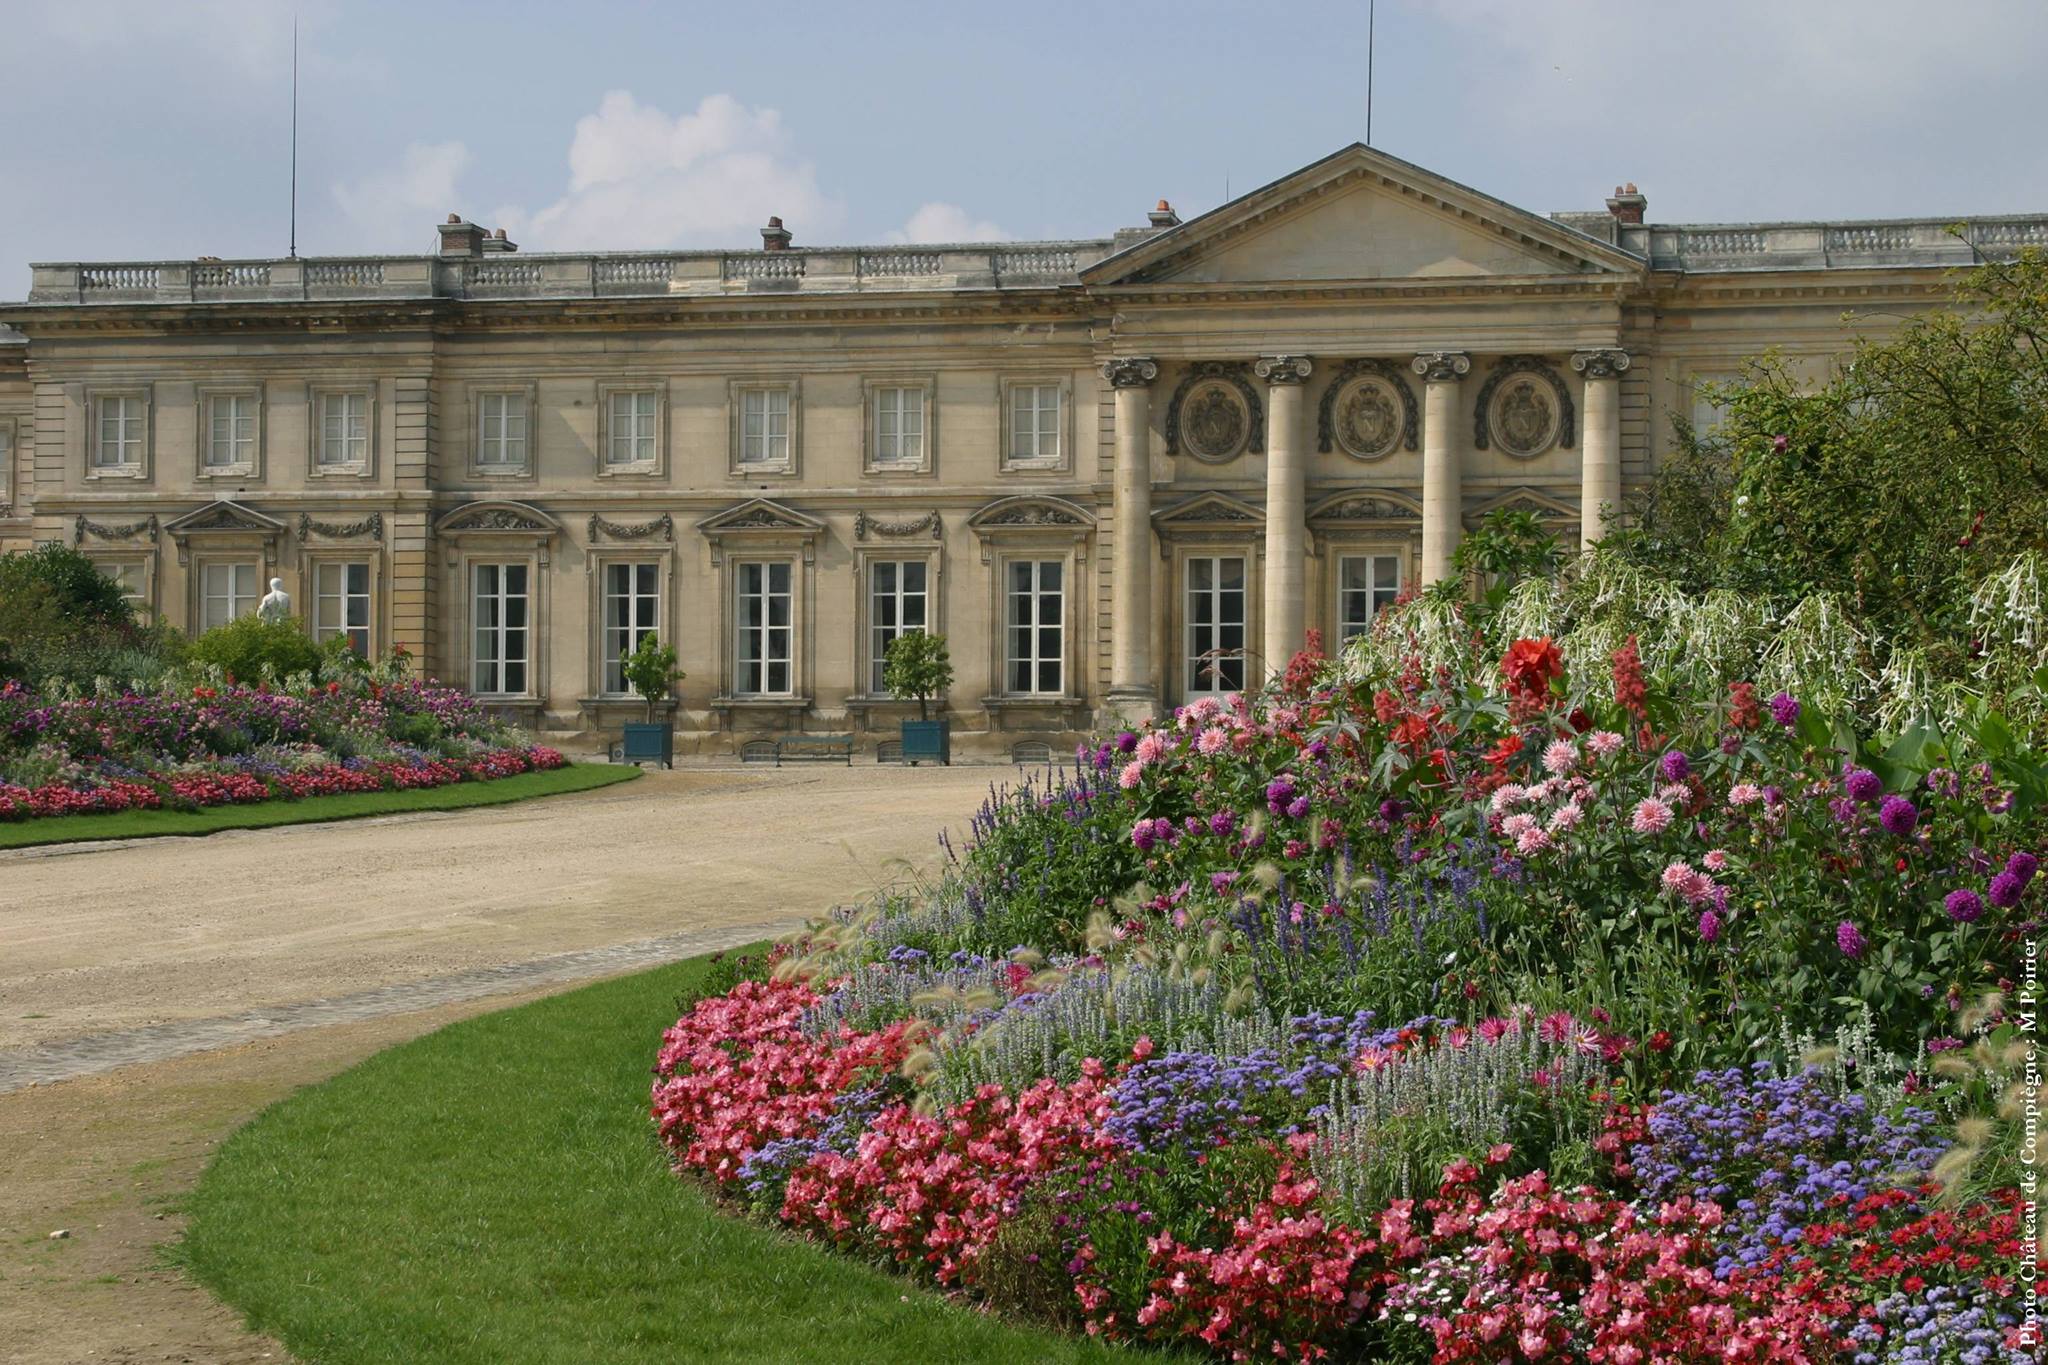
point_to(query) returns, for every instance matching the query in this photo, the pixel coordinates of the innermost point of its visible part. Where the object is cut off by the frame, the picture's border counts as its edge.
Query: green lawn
(493, 1193)
(141, 824)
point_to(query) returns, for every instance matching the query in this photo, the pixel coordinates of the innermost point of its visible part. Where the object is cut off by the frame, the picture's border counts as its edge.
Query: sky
(160, 129)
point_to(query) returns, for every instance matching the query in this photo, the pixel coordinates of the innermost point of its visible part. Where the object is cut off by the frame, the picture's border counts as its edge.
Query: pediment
(1027, 511)
(1210, 509)
(515, 518)
(760, 514)
(1546, 507)
(225, 517)
(1360, 216)
(1365, 506)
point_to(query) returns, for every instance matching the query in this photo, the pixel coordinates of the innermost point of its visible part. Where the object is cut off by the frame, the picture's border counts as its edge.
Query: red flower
(1530, 666)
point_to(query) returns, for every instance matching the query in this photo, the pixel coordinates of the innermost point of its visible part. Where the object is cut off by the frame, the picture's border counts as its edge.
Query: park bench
(814, 749)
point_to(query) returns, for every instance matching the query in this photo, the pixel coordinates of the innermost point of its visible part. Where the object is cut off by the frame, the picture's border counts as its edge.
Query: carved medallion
(1215, 423)
(1367, 419)
(1524, 419)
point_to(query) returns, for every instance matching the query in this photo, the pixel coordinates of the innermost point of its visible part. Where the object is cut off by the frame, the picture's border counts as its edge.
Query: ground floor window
(227, 590)
(898, 594)
(133, 576)
(1215, 624)
(1366, 585)
(341, 604)
(632, 611)
(500, 612)
(762, 616)
(1035, 627)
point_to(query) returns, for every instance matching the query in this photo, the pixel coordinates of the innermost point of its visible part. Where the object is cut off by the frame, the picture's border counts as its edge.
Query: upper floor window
(631, 418)
(899, 426)
(764, 426)
(501, 434)
(120, 426)
(1035, 424)
(343, 432)
(230, 432)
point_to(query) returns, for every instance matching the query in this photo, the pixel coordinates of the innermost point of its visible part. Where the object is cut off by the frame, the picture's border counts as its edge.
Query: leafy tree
(918, 665)
(650, 670)
(250, 649)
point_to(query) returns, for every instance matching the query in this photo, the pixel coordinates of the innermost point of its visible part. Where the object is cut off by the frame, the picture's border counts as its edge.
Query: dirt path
(342, 940)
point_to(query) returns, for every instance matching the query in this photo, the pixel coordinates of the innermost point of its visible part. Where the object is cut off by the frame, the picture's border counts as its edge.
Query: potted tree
(918, 665)
(650, 670)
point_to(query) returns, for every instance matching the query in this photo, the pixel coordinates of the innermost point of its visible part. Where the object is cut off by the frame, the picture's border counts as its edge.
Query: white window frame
(876, 404)
(237, 602)
(143, 566)
(615, 643)
(656, 434)
(499, 657)
(132, 433)
(878, 635)
(317, 581)
(241, 464)
(1009, 596)
(1342, 627)
(352, 464)
(1715, 415)
(1008, 392)
(741, 630)
(749, 460)
(1193, 682)
(487, 428)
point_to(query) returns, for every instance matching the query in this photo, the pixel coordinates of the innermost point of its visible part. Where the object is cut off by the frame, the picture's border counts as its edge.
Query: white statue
(276, 604)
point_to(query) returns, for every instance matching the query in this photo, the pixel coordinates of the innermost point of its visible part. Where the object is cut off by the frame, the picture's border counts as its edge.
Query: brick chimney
(497, 242)
(1628, 204)
(775, 237)
(460, 237)
(1163, 216)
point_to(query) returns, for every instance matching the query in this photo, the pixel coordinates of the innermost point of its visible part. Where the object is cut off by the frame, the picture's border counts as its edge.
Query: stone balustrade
(1708, 248)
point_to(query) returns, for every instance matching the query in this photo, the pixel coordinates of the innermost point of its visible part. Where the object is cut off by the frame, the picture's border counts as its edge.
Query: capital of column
(1283, 369)
(1600, 364)
(1439, 367)
(1130, 372)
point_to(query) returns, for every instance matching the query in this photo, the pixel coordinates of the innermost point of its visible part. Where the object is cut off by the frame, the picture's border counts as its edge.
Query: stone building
(1116, 473)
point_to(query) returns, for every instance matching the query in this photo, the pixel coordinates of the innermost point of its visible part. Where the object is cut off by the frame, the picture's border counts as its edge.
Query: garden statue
(276, 604)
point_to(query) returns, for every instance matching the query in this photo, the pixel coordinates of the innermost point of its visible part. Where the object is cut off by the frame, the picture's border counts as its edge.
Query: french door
(1214, 651)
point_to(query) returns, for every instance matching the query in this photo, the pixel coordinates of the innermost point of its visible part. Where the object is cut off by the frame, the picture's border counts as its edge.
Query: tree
(650, 671)
(918, 665)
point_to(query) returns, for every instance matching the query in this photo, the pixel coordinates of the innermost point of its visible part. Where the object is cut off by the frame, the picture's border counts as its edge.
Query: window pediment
(1029, 517)
(1366, 507)
(498, 517)
(761, 523)
(1553, 512)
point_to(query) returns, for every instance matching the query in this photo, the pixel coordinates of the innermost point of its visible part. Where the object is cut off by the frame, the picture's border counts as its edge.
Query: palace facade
(1116, 473)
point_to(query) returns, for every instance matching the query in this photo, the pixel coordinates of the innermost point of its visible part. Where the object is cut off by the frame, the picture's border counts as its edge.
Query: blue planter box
(928, 741)
(649, 743)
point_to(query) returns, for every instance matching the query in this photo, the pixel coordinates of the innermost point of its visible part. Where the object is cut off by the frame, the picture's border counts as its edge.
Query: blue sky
(145, 130)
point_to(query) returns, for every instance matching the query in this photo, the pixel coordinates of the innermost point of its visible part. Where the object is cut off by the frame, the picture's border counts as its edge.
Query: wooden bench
(814, 749)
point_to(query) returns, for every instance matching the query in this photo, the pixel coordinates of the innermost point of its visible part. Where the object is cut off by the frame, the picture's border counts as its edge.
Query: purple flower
(1297, 808)
(1222, 823)
(2023, 866)
(1392, 810)
(1963, 906)
(1279, 792)
(1784, 710)
(2005, 890)
(1126, 742)
(1850, 939)
(1842, 810)
(1898, 815)
(1863, 785)
(1710, 926)
(1676, 766)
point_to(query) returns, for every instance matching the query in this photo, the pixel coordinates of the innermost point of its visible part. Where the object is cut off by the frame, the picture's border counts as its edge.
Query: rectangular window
(761, 622)
(1035, 424)
(1035, 621)
(344, 430)
(341, 604)
(764, 426)
(630, 428)
(227, 591)
(632, 611)
(6, 465)
(119, 443)
(133, 578)
(1366, 586)
(1215, 625)
(231, 431)
(899, 426)
(501, 437)
(499, 611)
(897, 597)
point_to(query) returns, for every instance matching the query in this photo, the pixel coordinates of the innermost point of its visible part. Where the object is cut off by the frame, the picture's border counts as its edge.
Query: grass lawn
(493, 1192)
(140, 824)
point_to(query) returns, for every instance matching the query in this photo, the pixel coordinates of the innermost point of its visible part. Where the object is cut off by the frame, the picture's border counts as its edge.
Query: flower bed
(214, 746)
(1461, 1012)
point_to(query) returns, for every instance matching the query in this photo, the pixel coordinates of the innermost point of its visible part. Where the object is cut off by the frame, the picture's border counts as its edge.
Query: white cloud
(639, 178)
(945, 223)
(395, 207)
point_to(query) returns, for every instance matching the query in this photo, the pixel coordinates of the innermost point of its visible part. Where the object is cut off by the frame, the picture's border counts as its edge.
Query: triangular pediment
(760, 514)
(1366, 505)
(1546, 507)
(1208, 509)
(515, 518)
(225, 517)
(1362, 216)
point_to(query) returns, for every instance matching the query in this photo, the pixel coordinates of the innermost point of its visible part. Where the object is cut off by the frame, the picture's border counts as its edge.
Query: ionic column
(1600, 470)
(1286, 505)
(1133, 691)
(1443, 494)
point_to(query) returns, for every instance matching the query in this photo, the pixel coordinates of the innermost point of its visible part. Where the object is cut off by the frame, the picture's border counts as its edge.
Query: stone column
(1443, 495)
(1600, 471)
(1286, 505)
(1133, 690)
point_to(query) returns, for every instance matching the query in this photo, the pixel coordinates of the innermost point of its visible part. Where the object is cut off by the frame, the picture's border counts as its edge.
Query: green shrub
(918, 665)
(250, 649)
(650, 669)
